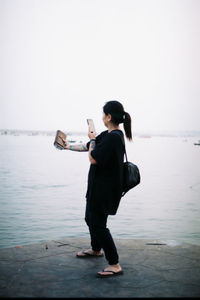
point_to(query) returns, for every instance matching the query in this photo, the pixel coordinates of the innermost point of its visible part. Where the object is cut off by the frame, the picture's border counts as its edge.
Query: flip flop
(110, 275)
(86, 255)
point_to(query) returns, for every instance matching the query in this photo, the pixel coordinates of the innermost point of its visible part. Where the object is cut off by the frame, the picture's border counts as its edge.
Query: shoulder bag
(131, 173)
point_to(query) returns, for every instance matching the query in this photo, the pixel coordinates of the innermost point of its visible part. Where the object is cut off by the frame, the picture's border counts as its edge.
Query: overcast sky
(61, 60)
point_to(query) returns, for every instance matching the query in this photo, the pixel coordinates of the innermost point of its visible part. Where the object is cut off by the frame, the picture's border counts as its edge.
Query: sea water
(42, 191)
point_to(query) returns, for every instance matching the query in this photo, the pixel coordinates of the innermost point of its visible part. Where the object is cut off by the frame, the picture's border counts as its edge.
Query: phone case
(91, 125)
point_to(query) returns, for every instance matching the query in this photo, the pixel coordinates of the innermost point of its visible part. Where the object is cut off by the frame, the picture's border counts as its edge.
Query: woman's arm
(78, 147)
(91, 147)
(75, 147)
(92, 136)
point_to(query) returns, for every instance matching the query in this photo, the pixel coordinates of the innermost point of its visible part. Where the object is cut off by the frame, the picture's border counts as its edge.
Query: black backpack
(131, 173)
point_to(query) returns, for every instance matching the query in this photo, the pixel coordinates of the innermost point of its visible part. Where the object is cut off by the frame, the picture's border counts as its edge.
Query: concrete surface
(151, 268)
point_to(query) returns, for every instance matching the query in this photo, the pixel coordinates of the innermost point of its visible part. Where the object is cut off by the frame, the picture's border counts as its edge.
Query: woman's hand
(66, 143)
(91, 135)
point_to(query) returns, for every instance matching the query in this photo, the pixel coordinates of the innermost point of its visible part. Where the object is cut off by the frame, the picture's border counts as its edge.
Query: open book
(58, 143)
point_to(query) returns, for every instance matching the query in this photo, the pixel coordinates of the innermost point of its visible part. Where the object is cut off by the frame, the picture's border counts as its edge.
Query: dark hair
(116, 110)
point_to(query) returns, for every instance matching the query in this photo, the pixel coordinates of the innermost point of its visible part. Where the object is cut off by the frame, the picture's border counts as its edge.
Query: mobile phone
(91, 125)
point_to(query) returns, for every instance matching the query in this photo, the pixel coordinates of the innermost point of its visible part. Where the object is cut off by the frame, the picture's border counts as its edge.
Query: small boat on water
(198, 143)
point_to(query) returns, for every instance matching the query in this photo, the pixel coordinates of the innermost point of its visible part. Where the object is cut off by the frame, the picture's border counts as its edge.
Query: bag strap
(123, 142)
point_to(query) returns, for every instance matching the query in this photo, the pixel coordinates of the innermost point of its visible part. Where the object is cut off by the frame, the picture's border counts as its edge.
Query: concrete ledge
(51, 269)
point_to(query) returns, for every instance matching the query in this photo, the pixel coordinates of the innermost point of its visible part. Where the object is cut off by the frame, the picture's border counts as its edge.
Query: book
(58, 142)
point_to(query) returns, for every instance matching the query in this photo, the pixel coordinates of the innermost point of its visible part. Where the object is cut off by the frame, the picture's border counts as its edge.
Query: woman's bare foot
(111, 270)
(89, 252)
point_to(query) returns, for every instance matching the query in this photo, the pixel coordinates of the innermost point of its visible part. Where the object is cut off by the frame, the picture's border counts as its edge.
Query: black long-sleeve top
(105, 177)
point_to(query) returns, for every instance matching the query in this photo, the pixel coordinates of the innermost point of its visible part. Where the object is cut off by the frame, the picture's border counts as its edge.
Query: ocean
(42, 191)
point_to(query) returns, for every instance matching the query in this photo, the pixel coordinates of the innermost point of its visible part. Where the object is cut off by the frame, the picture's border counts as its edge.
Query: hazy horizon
(142, 133)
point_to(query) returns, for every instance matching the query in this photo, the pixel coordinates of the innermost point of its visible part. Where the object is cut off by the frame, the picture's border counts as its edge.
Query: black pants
(100, 235)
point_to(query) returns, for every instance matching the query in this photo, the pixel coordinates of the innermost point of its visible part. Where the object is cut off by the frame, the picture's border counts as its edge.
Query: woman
(106, 155)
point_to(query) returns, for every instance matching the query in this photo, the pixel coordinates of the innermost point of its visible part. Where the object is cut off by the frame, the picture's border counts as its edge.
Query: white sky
(61, 60)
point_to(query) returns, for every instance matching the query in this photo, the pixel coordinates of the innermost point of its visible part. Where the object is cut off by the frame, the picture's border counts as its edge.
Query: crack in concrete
(66, 244)
(174, 254)
(144, 286)
(183, 283)
(32, 259)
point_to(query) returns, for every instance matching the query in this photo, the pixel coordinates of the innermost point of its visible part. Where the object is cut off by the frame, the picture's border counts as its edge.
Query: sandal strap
(109, 271)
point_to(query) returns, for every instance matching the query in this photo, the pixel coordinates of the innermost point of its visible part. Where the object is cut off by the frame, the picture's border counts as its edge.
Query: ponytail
(116, 110)
(127, 126)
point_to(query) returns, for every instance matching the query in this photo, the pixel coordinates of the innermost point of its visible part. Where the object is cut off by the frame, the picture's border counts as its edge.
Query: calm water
(42, 191)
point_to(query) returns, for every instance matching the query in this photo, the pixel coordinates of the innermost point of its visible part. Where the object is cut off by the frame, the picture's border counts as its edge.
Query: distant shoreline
(144, 134)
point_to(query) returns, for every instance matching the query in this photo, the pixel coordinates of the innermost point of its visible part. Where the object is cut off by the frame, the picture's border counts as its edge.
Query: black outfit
(104, 190)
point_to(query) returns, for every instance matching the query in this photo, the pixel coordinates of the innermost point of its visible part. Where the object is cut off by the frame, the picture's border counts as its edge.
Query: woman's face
(106, 119)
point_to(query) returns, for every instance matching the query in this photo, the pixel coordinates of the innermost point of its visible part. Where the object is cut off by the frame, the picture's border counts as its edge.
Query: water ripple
(44, 186)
